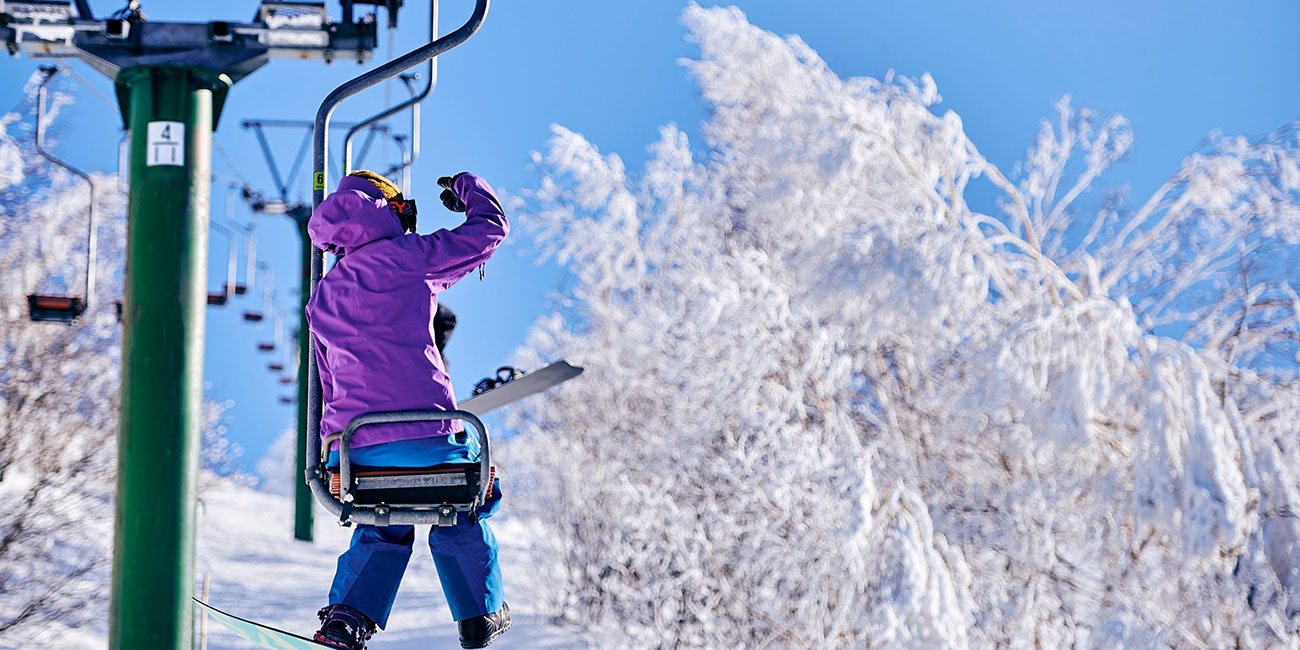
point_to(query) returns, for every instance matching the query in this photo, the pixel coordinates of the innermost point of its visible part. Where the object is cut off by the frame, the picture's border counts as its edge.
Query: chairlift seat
(216, 299)
(448, 484)
(253, 316)
(266, 347)
(275, 366)
(62, 309)
(241, 289)
(286, 380)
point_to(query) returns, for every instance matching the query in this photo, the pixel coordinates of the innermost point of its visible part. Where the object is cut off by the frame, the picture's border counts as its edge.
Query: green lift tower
(172, 79)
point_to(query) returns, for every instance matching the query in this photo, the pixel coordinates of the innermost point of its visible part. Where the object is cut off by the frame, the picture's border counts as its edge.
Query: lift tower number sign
(166, 144)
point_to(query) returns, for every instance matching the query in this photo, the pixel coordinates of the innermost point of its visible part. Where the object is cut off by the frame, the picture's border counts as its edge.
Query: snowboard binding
(505, 375)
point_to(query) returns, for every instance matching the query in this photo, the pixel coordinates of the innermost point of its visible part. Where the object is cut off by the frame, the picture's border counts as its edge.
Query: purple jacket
(372, 314)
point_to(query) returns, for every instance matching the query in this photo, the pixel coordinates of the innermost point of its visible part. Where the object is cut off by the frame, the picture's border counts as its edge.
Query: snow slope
(259, 572)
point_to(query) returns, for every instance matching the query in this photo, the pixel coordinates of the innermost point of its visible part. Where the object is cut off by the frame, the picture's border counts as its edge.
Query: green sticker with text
(319, 182)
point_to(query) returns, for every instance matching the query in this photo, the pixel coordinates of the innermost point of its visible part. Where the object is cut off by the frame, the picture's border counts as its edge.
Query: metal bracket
(446, 515)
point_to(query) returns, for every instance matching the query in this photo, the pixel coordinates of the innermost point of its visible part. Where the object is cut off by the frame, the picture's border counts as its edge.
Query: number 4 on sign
(166, 144)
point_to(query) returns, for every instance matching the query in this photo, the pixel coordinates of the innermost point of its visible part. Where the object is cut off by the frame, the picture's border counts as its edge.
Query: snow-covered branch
(830, 404)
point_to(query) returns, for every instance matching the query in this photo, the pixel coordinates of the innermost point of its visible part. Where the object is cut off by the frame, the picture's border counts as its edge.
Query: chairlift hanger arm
(431, 80)
(228, 291)
(320, 137)
(40, 128)
(91, 239)
(408, 158)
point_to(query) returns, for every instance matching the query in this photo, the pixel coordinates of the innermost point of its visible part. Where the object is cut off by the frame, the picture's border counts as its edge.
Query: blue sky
(609, 70)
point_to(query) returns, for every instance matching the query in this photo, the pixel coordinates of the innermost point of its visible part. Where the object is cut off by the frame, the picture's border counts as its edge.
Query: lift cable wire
(230, 162)
(99, 95)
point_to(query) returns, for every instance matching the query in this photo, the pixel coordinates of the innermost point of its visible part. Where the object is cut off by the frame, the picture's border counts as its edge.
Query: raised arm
(454, 253)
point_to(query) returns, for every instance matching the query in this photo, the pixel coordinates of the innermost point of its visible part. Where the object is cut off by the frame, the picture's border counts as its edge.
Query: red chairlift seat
(266, 347)
(223, 297)
(241, 289)
(253, 316)
(286, 380)
(275, 366)
(60, 309)
(286, 400)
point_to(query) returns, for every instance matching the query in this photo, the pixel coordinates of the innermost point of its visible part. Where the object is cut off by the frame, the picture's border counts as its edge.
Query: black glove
(448, 195)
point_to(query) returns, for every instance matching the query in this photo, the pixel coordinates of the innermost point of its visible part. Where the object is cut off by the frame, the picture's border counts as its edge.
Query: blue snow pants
(465, 555)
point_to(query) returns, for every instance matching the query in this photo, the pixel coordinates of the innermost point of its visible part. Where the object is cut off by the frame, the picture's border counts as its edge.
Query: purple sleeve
(454, 253)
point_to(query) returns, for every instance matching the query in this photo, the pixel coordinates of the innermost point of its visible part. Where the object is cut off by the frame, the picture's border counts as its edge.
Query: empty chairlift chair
(228, 290)
(268, 282)
(245, 232)
(54, 307)
(270, 346)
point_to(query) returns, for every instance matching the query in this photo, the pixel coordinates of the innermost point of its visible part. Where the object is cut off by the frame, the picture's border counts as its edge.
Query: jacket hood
(353, 216)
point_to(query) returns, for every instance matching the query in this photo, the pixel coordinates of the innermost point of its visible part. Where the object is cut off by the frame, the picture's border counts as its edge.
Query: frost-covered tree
(830, 402)
(59, 390)
(58, 387)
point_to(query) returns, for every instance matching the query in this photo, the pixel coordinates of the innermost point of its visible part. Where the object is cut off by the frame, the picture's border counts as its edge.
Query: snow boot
(344, 627)
(481, 631)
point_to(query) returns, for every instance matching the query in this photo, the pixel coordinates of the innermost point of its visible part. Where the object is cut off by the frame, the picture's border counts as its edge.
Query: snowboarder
(373, 319)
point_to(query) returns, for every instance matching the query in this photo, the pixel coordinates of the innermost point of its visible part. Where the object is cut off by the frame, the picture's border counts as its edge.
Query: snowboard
(521, 387)
(263, 635)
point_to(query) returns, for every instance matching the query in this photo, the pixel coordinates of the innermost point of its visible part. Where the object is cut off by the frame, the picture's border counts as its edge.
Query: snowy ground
(259, 572)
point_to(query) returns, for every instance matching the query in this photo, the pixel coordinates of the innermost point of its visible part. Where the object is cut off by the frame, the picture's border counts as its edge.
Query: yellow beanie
(386, 186)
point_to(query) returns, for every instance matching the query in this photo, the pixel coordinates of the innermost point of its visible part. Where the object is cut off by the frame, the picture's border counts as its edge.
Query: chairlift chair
(384, 495)
(227, 290)
(270, 346)
(268, 282)
(284, 361)
(245, 232)
(54, 307)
